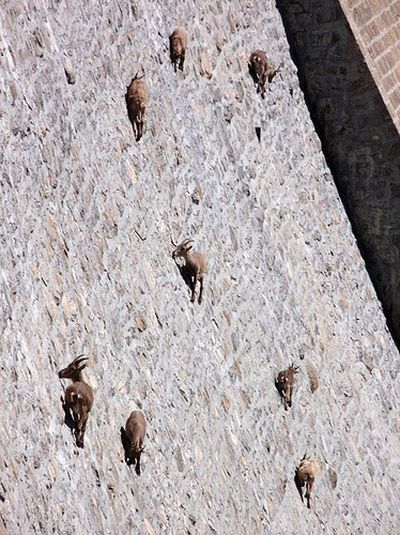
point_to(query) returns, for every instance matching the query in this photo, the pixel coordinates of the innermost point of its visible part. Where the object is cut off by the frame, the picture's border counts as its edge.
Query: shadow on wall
(359, 140)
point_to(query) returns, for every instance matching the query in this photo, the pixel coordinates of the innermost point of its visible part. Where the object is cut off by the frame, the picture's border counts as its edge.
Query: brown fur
(78, 397)
(135, 431)
(306, 473)
(284, 383)
(136, 101)
(195, 266)
(261, 69)
(177, 47)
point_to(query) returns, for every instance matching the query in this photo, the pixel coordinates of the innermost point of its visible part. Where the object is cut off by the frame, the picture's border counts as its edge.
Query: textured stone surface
(87, 217)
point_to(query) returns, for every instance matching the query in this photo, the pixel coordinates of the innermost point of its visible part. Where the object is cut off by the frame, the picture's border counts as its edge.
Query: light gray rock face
(87, 218)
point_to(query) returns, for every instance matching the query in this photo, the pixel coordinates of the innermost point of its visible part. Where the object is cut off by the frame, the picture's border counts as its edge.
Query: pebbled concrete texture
(87, 219)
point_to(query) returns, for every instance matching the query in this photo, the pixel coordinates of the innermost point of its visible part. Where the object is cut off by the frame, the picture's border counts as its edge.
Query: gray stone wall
(87, 219)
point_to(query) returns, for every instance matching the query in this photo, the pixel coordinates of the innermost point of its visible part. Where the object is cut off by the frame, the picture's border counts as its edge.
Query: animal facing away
(194, 268)
(133, 437)
(136, 102)
(306, 473)
(177, 47)
(261, 69)
(78, 397)
(284, 384)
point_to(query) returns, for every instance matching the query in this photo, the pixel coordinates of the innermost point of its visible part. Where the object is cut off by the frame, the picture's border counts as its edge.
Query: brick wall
(376, 27)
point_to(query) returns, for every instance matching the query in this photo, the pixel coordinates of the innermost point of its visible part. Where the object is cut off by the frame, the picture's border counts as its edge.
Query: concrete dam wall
(87, 217)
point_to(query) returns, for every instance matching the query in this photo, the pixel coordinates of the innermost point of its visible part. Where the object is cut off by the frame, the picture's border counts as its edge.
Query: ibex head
(274, 72)
(136, 450)
(183, 248)
(74, 369)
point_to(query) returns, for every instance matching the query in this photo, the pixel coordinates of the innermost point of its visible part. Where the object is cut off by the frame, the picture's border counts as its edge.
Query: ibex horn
(81, 357)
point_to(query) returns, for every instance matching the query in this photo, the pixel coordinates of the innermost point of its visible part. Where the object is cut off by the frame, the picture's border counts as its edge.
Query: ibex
(260, 69)
(78, 397)
(194, 268)
(306, 473)
(136, 102)
(133, 437)
(284, 383)
(177, 47)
